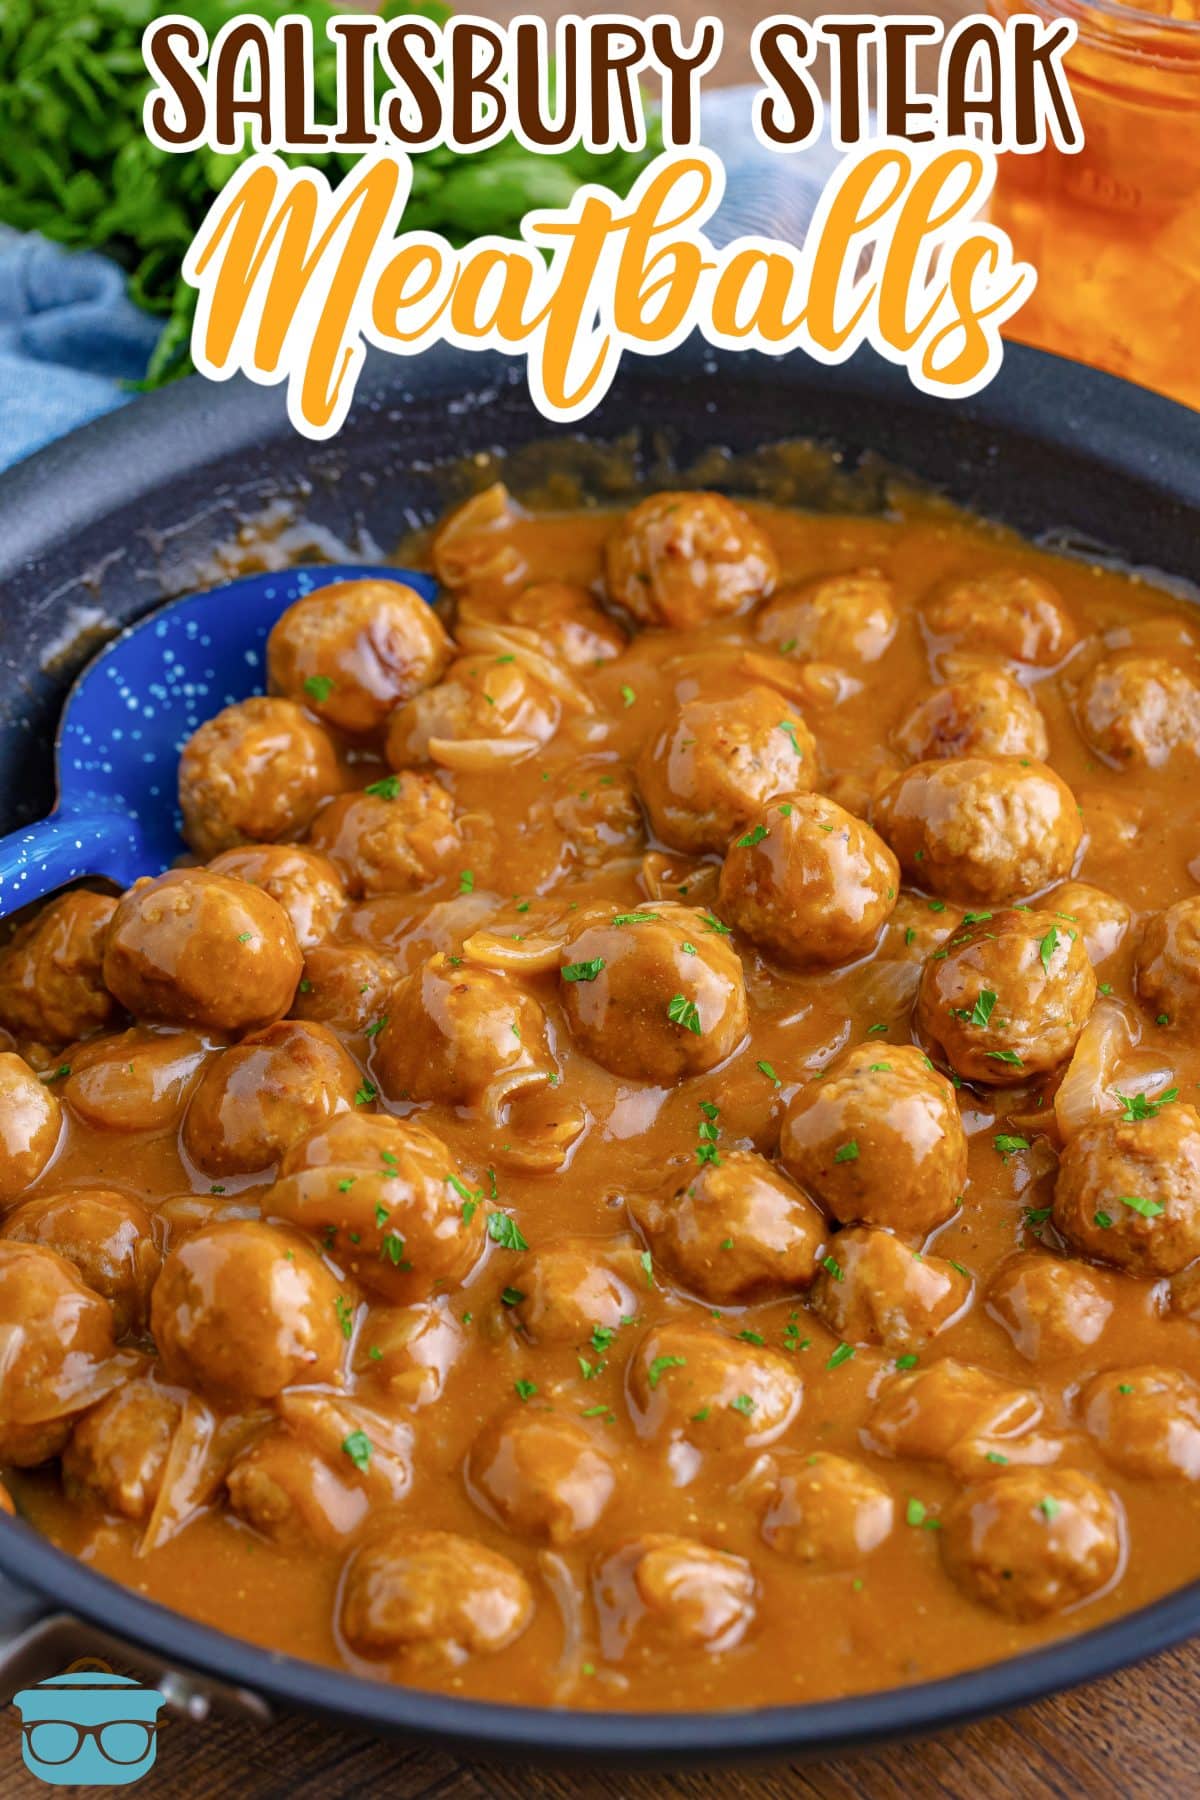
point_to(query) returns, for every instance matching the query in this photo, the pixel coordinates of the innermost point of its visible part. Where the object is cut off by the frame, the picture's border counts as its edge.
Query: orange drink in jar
(1114, 230)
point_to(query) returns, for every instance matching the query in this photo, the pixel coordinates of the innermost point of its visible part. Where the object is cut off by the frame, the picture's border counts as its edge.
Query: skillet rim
(132, 455)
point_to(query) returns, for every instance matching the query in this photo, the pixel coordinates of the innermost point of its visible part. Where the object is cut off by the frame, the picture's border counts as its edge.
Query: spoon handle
(67, 847)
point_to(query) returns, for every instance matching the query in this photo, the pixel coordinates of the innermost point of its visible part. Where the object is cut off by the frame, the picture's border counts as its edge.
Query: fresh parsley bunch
(76, 166)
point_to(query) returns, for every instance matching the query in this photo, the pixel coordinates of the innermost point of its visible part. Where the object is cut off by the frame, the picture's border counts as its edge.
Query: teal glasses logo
(90, 1727)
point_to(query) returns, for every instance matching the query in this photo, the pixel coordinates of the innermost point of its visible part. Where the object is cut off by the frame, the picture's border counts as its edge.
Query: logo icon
(89, 1726)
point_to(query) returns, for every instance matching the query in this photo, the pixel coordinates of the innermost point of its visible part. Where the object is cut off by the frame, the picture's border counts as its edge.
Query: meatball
(56, 1334)
(1146, 1421)
(872, 1289)
(352, 651)
(287, 1491)
(254, 774)
(488, 711)
(1032, 1543)
(1008, 998)
(431, 1597)
(461, 1035)
(1100, 919)
(1138, 712)
(691, 1384)
(879, 1141)
(345, 986)
(567, 1290)
(565, 620)
(682, 559)
(243, 1309)
(51, 982)
(30, 1124)
(809, 883)
(737, 1232)
(826, 1512)
(983, 713)
(191, 948)
(1128, 1190)
(304, 882)
(981, 828)
(1167, 972)
(601, 819)
(106, 1236)
(398, 835)
(654, 995)
(135, 1080)
(963, 1417)
(540, 1474)
(118, 1451)
(410, 1350)
(255, 1100)
(917, 927)
(838, 618)
(1051, 1308)
(661, 1596)
(1020, 617)
(718, 762)
(387, 1199)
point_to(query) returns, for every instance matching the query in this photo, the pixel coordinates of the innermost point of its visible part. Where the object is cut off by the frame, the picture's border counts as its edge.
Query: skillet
(106, 524)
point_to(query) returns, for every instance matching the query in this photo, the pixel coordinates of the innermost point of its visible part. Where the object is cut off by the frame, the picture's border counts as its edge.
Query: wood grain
(1132, 1737)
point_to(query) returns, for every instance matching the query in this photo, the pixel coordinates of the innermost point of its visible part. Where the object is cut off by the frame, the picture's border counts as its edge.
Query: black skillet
(127, 512)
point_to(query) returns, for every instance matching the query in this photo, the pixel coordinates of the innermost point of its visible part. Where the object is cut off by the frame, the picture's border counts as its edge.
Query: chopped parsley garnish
(755, 836)
(1007, 1143)
(466, 881)
(976, 918)
(833, 1267)
(358, 1448)
(582, 971)
(658, 1368)
(981, 1012)
(319, 688)
(712, 923)
(1141, 1106)
(790, 728)
(392, 1250)
(841, 1355)
(682, 1011)
(1148, 1209)
(647, 1267)
(908, 1361)
(751, 1337)
(375, 1029)
(503, 1229)
(1049, 1508)
(1103, 1220)
(345, 1314)
(1048, 946)
(366, 1093)
(525, 1390)
(511, 1296)
(244, 937)
(917, 1514)
(627, 694)
(846, 1152)
(1006, 1056)
(387, 789)
(635, 918)
(765, 1068)
(743, 1404)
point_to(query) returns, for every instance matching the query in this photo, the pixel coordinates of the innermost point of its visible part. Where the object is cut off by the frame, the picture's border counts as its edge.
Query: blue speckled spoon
(128, 716)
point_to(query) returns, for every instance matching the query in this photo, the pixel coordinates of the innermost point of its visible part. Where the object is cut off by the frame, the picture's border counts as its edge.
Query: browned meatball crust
(192, 948)
(254, 774)
(873, 1289)
(387, 1198)
(718, 761)
(826, 1512)
(541, 1474)
(879, 1140)
(1009, 997)
(808, 882)
(352, 651)
(1033, 1542)
(1050, 1307)
(462, 1035)
(1139, 712)
(345, 986)
(118, 1451)
(965, 1418)
(664, 1596)
(398, 835)
(837, 618)
(1167, 970)
(1100, 918)
(255, 1100)
(57, 1335)
(568, 1290)
(981, 828)
(1005, 613)
(304, 882)
(30, 1126)
(109, 1239)
(136, 1080)
(984, 713)
(681, 559)
(431, 1597)
(1146, 1421)
(655, 995)
(1128, 1190)
(243, 1309)
(691, 1384)
(287, 1491)
(51, 971)
(737, 1231)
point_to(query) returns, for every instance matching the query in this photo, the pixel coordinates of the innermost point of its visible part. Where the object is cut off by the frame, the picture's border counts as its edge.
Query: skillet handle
(66, 847)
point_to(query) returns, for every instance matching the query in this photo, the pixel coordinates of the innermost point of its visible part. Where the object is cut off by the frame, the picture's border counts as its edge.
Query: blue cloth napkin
(70, 336)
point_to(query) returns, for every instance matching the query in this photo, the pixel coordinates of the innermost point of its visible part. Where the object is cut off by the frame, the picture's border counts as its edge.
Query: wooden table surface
(1131, 1737)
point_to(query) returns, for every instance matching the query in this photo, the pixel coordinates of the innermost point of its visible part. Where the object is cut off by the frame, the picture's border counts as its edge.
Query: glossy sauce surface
(685, 1486)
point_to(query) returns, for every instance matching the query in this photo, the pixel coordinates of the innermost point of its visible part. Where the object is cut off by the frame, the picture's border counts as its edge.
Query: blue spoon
(128, 716)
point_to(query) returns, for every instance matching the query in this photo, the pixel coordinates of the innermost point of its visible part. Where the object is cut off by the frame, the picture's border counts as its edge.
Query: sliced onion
(520, 642)
(204, 1445)
(475, 756)
(1106, 1064)
(534, 955)
(326, 1422)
